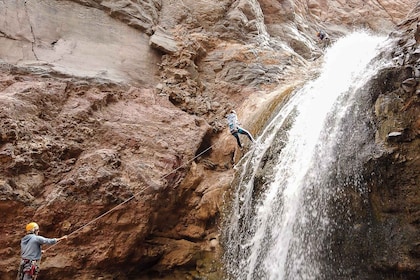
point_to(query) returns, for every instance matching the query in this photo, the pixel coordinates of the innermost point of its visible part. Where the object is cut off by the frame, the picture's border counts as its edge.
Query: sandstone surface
(109, 103)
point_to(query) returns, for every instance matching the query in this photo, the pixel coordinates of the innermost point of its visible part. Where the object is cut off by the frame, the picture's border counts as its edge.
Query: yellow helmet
(31, 227)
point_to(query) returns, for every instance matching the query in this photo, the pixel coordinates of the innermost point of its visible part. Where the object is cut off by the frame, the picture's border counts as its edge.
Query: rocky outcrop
(72, 150)
(123, 102)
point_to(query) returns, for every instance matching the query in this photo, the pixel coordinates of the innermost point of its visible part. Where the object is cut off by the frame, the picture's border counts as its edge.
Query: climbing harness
(29, 267)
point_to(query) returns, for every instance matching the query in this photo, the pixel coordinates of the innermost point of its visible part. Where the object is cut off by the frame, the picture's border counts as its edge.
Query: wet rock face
(109, 102)
(381, 235)
(396, 194)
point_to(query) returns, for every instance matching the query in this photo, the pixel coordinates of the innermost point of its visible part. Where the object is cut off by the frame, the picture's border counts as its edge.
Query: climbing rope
(131, 197)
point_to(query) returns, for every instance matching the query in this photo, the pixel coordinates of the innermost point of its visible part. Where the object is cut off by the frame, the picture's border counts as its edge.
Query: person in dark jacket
(31, 251)
(323, 38)
(235, 129)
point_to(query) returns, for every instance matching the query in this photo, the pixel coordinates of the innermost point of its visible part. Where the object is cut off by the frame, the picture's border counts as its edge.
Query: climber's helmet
(32, 227)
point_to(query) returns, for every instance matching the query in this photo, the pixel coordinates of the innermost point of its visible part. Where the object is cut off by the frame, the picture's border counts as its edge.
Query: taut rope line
(131, 197)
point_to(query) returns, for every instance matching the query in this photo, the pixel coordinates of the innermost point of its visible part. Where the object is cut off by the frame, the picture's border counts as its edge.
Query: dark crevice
(205, 146)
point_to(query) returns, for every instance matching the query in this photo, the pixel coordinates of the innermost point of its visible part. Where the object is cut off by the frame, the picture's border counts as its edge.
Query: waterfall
(312, 150)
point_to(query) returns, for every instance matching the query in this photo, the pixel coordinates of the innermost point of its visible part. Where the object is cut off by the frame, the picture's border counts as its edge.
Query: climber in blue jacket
(31, 251)
(235, 129)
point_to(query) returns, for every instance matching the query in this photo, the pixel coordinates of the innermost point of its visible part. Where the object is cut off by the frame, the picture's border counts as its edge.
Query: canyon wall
(118, 107)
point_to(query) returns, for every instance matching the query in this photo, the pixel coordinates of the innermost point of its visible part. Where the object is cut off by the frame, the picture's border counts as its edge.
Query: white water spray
(278, 231)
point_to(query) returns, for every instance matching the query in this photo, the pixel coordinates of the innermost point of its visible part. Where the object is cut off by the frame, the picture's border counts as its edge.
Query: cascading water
(310, 152)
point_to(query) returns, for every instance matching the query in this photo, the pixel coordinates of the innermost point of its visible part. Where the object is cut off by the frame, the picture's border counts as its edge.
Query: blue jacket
(31, 246)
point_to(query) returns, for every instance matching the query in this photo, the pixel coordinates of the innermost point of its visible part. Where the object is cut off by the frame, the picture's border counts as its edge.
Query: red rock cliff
(118, 102)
